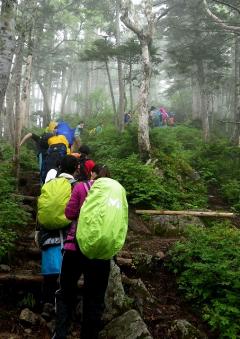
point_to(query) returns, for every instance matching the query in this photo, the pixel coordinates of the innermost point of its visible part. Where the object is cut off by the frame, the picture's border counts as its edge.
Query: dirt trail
(25, 263)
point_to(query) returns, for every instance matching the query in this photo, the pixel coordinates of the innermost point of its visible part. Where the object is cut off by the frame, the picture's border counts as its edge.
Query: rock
(139, 293)
(182, 329)
(51, 326)
(116, 301)
(5, 268)
(128, 326)
(28, 317)
(172, 225)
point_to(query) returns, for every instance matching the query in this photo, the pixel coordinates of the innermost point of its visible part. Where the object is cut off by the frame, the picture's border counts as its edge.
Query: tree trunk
(111, 88)
(196, 99)
(189, 213)
(65, 90)
(121, 104)
(143, 127)
(204, 100)
(25, 97)
(130, 86)
(87, 90)
(7, 44)
(10, 95)
(46, 89)
(18, 113)
(236, 131)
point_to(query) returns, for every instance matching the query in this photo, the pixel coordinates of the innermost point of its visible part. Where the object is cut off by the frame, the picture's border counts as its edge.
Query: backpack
(64, 129)
(54, 197)
(54, 155)
(103, 220)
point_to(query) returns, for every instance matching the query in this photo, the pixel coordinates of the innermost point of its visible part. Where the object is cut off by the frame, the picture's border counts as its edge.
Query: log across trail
(189, 213)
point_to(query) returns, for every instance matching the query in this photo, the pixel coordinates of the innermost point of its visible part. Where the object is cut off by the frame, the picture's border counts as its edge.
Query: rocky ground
(142, 300)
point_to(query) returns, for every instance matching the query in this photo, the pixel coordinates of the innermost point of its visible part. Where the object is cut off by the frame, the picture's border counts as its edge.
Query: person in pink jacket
(164, 115)
(74, 264)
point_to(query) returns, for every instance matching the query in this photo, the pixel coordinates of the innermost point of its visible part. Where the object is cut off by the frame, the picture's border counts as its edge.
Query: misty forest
(152, 87)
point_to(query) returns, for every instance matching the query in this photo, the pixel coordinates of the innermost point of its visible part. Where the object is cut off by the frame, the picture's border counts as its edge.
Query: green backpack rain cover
(54, 197)
(103, 221)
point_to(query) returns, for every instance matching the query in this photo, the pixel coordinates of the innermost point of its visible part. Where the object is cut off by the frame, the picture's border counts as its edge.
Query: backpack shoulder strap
(87, 185)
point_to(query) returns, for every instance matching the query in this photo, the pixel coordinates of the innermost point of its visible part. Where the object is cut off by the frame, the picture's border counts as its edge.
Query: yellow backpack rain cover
(52, 202)
(103, 221)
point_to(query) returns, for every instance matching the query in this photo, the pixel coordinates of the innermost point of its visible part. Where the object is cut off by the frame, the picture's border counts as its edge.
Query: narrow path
(23, 283)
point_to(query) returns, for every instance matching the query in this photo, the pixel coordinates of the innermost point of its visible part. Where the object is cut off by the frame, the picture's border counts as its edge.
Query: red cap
(89, 164)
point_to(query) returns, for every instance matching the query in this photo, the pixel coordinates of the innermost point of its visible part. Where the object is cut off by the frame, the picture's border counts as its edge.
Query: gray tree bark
(7, 44)
(204, 100)
(236, 131)
(121, 103)
(18, 112)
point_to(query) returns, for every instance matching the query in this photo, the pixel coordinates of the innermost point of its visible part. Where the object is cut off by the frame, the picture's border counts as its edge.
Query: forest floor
(169, 305)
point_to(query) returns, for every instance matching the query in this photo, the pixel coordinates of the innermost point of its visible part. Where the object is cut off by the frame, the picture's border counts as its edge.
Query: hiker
(156, 118)
(42, 146)
(51, 236)
(85, 164)
(99, 128)
(58, 147)
(96, 272)
(127, 118)
(171, 119)
(77, 136)
(164, 116)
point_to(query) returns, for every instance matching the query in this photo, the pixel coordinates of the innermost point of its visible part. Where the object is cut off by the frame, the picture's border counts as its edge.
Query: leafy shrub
(207, 267)
(147, 186)
(11, 213)
(219, 164)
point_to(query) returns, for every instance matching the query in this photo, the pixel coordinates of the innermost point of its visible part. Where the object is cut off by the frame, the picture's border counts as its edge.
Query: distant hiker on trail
(164, 115)
(75, 263)
(156, 118)
(127, 118)
(99, 128)
(85, 164)
(77, 136)
(53, 224)
(171, 119)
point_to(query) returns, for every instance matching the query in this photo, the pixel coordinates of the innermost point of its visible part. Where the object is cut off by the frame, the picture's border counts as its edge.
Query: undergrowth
(12, 215)
(207, 267)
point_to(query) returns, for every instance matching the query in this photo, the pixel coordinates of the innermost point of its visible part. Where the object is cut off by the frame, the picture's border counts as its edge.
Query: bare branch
(217, 20)
(164, 13)
(228, 5)
(128, 22)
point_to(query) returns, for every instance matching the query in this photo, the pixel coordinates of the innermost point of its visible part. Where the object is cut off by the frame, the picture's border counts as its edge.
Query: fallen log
(189, 213)
(20, 278)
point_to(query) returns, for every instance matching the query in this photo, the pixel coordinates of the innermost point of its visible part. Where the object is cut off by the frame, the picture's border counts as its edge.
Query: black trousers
(96, 273)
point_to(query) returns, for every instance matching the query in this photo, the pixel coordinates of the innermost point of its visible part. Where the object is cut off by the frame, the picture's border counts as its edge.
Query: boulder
(116, 301)
(182, 329)
(173, 225)
(128, 326)
(27, 317)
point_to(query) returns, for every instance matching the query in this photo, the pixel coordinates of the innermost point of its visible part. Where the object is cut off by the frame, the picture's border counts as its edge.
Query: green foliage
(219, 164)
(207, 267)
(7, 238)
(169, 183)
(141, 182)
(28, 301)
(11, 213)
